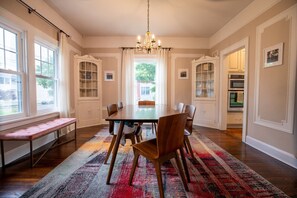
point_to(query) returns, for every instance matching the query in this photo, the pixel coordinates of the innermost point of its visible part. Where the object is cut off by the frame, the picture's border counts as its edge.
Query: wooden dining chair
(148, 103)
(190, 111)
(111, 109)
(180, 107)
(169, 139)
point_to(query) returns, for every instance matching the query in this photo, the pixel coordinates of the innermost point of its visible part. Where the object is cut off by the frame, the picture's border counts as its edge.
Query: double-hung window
(11, 74)
(46, 72)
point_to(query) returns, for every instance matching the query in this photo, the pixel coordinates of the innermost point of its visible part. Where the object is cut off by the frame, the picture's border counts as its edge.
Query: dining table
(141, 114)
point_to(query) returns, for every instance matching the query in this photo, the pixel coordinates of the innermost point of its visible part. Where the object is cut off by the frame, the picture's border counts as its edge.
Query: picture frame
(183, 74)
(273, 55)
(108, 75)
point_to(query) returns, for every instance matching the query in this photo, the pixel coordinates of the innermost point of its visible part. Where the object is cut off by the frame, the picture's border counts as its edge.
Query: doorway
(239, 118)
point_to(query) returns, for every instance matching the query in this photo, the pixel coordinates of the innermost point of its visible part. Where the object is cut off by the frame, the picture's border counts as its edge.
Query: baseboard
(274, 152)
(24, 149)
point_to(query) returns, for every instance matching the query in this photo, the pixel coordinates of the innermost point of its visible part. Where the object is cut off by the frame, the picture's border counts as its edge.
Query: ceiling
(168, 18)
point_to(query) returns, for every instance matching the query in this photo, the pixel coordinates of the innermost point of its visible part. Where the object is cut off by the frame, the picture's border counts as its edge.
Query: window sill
(27, 120)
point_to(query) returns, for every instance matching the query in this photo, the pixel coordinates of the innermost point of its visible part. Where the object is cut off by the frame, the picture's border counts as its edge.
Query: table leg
(2, 155)
(115, 151)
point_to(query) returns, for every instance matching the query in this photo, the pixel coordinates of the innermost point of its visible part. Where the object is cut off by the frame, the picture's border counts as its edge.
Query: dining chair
(111, 109)
(180, 107)
(148, 103)
(168, 141)
(190, 111)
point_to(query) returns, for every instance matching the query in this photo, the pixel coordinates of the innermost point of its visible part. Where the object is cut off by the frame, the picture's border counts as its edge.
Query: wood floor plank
(19, 177)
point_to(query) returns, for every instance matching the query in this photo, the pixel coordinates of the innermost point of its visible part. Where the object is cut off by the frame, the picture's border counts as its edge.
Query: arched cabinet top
(87, 58)
(205, 59)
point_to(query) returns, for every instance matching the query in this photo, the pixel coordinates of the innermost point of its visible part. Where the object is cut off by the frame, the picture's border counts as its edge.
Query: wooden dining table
(137, 113)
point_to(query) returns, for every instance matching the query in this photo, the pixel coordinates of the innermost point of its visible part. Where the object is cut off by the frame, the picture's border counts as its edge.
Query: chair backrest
(190, 111)
(180, 107)
(120, 105)
(170, 133)
(146, 102)
(111, 109)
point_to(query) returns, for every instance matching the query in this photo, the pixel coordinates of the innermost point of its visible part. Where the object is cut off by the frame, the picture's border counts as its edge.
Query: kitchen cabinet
(236, 61)
(88, 103)
(205, 74)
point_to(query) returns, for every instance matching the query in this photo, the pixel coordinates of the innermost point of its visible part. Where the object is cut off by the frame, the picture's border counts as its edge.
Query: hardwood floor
(19, 177)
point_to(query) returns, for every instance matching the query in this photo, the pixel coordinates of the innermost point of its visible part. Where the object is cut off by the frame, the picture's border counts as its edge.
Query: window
(46, 82)
(11, 97)
(145, 75)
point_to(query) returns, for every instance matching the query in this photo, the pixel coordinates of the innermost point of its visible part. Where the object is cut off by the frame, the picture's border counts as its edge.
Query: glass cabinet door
(88, 79)
(204, 87)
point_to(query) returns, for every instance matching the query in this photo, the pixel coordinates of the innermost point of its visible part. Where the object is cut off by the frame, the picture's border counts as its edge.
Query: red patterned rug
(214, 173)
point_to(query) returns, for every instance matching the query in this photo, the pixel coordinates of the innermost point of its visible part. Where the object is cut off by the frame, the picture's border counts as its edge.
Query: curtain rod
(169, 48)
(30, 10)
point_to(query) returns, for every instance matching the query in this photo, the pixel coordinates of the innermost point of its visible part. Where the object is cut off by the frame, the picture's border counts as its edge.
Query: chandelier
(149, 43)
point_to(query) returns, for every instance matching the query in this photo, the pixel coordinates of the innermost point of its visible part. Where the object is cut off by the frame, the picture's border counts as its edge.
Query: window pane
(2, 64)
(37, 67)
(145, 74)
(1, 38)
(37, 51)
(51, 56)
(44, 54)
(51, 70)
(10, 40)
(45, 93)
(11, 60)
(44, 67)
(10, 94)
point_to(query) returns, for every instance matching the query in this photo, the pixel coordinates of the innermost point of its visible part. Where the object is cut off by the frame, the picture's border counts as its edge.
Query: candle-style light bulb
(153, 37)
(138, 38)
(159, 43)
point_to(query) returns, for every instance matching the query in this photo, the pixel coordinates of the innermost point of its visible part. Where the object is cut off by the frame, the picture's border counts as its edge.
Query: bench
(37, 131)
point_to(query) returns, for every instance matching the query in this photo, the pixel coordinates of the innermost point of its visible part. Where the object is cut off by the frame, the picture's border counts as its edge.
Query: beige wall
(273, 84)
(22, 12)
(183, 87)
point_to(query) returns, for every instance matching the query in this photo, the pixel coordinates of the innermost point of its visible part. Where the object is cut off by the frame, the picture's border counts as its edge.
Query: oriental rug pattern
(214, 173)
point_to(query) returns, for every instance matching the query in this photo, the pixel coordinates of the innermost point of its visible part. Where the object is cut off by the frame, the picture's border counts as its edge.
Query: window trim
(20, 71)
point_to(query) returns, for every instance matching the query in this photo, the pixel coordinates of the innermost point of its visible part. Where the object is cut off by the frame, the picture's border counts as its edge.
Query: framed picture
(183, 74)
(109, 75)
(273, 55)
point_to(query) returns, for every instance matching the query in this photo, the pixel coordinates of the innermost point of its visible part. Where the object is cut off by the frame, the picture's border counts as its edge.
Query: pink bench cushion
(37, 131)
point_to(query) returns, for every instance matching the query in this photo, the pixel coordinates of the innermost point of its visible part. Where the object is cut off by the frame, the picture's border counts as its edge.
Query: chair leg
(138, 138)
(135, 161)
(181, 172)
(132, 138)
(114, 137)
(159, 177)
(153, 128)
(185, 145)
(185, 164)
(189, 146)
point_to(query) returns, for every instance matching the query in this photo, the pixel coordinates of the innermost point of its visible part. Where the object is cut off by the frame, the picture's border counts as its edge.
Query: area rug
(213, 173)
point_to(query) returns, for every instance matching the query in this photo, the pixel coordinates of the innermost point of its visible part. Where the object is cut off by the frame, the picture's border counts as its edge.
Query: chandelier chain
(148, 15)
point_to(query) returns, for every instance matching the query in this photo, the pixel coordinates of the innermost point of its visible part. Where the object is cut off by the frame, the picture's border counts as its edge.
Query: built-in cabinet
(88, 90)
(236, 61)
(205, 73)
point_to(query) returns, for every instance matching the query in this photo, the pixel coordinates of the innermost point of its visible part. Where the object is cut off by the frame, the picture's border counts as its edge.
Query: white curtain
(161, 76)
(128, 95)
(64, 77)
